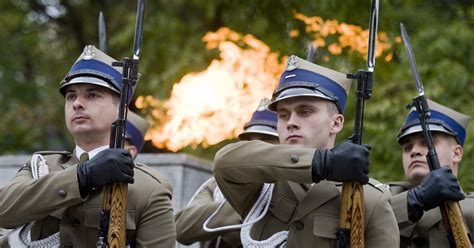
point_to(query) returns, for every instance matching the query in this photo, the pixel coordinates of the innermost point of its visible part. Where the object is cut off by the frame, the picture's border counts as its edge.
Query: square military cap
(94, 67)
(263, 121)
(135, 129)
(303, 78)
(442, 119)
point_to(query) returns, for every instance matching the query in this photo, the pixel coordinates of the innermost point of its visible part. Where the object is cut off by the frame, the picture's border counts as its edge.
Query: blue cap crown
(442, 119)
(263, 121)
(94, 67)
(303, 78)
(135, 130)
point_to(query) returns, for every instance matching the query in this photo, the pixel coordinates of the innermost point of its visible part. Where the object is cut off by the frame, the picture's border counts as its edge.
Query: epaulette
(469, 194)
(403, 184)
(378, 185)
(61, 156)
(149, 171)
(38, 163)
(399, 187)
(66, 153)
(372, 182)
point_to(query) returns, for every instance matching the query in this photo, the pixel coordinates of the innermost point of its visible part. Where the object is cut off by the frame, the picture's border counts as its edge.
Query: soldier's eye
(282, 116)
(407, 148)
(93, 95)
(305, 112)
(70, 97)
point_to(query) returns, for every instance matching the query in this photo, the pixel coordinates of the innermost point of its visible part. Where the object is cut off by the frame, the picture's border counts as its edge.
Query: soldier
(135, 130)
(190, 220)
(426, 190)
(290, 193)
(61, 197)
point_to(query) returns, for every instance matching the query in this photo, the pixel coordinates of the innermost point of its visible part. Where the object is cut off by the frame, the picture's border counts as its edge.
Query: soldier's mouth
(293, 137)
(79, 118)
(416, 163)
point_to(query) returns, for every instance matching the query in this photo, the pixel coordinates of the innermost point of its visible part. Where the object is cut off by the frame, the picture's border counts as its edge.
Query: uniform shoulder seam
(145, 169)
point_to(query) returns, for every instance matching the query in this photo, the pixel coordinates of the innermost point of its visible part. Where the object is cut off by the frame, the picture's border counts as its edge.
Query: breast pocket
(325, 226)
(282, 208)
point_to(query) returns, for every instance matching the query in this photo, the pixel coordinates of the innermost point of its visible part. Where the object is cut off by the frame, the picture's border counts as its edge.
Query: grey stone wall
(185, 172)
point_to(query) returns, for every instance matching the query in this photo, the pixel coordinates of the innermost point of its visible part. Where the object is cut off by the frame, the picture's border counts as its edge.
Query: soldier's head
(91, 90)
(262, 125)
(310, 102)
(448, 128)
(135, 130)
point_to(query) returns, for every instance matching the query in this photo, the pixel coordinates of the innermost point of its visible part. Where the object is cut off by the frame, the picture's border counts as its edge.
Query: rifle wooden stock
(454, 223)
(352, 213)
(118, 206)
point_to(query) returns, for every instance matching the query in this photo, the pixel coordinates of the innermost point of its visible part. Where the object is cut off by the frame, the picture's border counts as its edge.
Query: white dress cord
(39, 168)
(258, 211)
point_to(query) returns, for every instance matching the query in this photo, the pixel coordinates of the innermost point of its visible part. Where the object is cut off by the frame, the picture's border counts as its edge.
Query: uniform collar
(91, 153)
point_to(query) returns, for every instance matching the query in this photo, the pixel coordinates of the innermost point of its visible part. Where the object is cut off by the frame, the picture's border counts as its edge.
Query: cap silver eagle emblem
(263, 104)
(88, 53)
(292, 63)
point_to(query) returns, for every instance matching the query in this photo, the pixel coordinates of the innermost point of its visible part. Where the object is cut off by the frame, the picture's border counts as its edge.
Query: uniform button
(62, 193)
(75, 223)
(294, 159)
(299, 225)
(68, 245)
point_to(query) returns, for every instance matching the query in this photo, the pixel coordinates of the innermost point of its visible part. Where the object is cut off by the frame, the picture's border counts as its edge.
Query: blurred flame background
(207, 107)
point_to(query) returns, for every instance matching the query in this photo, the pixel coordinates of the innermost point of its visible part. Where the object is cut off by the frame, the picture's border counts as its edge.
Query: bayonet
(373, 26)
(412, 61)
(102, 33)
(137, 40)
(309, 52)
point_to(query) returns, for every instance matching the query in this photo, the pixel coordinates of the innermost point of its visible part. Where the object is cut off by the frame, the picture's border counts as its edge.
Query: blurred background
(205, 65)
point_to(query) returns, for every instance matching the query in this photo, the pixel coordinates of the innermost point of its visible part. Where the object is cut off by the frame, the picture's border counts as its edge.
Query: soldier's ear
(457, 153)
(337, 123)
(132, 149)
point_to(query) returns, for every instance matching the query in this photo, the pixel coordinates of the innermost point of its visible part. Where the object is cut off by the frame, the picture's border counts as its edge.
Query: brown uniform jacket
(54, 202)
(190, 219)
(429, 231)
(309, 211)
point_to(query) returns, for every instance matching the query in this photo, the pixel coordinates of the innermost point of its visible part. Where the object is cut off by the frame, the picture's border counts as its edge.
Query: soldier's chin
(296, 143)
(417, 175)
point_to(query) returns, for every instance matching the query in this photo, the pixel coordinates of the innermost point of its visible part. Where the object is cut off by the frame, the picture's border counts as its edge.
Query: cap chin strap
(258, 211)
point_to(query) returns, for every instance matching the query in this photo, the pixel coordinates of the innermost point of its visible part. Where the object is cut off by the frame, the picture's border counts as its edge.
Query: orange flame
(352, 37)
(213, 105)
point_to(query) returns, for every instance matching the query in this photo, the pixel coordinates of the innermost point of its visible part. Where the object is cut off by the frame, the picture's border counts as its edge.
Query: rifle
(458, 234)
(351, 222)
(114, 204)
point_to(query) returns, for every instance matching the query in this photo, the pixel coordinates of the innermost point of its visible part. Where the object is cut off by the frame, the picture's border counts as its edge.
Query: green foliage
(39, 40)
